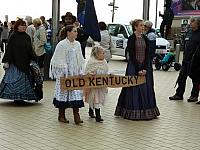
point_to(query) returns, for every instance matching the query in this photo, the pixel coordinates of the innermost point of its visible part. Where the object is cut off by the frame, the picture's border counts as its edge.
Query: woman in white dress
(67, 61)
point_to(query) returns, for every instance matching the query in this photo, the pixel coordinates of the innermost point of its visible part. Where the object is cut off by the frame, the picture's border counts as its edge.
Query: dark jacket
(19, 51)
(82, 37)
(191, 43)
(131, 49)
(152, 42)
(168, 16)
(195, 66)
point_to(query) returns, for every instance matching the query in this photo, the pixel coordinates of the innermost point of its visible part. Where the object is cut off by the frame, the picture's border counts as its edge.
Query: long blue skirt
(16, 85)
(137, 102)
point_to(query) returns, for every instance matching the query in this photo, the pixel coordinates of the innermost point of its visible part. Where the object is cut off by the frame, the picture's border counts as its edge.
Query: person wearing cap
(191, 43)
(68, 19)
(82, 37)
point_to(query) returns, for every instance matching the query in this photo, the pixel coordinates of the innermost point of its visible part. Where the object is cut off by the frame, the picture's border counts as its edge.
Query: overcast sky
(128, 9)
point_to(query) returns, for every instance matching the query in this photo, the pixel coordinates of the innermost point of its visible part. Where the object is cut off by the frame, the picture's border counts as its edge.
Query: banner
(186, 7)
(90, 81)
(86, 15)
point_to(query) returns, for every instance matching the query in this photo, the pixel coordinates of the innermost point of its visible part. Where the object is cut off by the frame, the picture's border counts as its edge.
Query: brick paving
(34, 126)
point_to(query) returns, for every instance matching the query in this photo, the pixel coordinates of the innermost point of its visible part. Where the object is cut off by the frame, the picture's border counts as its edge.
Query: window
(122, 30)
(113, 29)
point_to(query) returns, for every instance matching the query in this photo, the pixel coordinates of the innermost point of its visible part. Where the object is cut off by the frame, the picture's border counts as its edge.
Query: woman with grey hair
(38, 42)
(150, 33)
(30, 30)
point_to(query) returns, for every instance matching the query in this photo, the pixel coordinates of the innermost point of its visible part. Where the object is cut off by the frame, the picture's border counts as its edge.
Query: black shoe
(19, 102)
(176, 97)
(192, 99)
(198, 102)
(98, 116)
(91, 113)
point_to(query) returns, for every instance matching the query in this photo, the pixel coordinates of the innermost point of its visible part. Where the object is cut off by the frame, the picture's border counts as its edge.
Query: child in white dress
(96, 96)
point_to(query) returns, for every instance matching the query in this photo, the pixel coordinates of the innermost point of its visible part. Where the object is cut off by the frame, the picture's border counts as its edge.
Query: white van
(119, 36)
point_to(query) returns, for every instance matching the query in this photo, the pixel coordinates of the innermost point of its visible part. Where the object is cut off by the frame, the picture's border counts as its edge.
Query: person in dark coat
(150, 33)
(82, 38)
(138, 102)
(167, 17)
(194, 73)
(12, 24)
(17, 83)
(191, 43)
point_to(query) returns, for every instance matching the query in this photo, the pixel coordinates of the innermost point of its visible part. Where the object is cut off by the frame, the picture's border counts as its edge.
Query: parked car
(119, 36)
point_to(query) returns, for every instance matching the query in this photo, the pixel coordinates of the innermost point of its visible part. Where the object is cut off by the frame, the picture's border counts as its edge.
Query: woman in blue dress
(138, 102)
(18, 83)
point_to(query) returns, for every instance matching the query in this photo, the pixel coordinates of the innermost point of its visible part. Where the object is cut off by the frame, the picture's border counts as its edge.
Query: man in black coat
(194, 73)
(191, 43)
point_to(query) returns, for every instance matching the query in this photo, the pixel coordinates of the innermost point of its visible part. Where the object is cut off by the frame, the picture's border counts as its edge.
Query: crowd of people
(24, 59)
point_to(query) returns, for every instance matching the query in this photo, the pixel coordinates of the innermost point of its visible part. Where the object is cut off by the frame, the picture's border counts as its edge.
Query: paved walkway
(34, 126)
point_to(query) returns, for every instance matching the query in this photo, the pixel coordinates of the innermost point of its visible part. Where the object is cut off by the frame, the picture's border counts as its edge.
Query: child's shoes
(98, 116)
(91, 113)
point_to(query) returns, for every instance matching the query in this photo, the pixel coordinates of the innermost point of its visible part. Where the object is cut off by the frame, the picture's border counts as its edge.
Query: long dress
(67, 61)
(18, 83)
(96, 97)
(138, 102)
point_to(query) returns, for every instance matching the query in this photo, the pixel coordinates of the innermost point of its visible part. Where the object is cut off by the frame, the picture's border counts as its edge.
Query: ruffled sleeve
(80, 58)
(58, 65)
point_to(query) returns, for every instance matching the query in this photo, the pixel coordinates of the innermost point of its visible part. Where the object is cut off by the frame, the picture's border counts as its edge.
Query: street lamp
(113, 9)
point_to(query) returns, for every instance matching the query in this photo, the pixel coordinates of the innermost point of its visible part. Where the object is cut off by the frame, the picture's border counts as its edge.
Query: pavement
(34, 126)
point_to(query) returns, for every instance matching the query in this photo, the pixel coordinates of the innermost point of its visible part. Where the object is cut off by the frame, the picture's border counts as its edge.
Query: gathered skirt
(137, 102)
(67, 98)
(16, 85)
